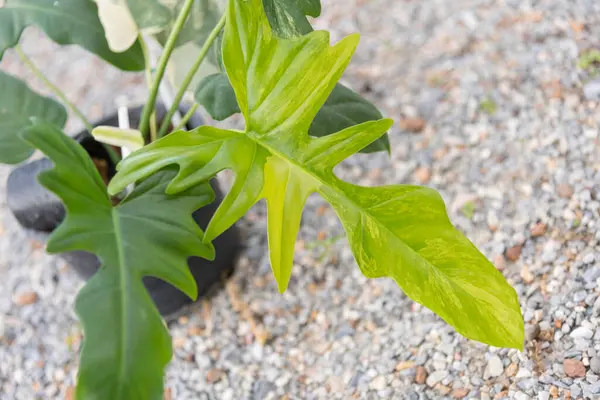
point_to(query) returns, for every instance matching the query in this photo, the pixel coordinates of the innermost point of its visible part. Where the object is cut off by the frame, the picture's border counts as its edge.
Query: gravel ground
(493, 111)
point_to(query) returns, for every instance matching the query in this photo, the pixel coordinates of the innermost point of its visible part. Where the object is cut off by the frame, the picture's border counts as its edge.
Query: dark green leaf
(288, 17)
(345, 108)
(398, 231)
(126, 345)
(216, 95)
(65, 22)
(18, 104)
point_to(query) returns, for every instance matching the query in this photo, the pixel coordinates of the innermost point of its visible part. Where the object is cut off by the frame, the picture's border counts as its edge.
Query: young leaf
(17, 104)
(399, 231)
(65, 22)
(131, 139)
(345, 108)
(216, 95)
(126, 345)
(288, 17)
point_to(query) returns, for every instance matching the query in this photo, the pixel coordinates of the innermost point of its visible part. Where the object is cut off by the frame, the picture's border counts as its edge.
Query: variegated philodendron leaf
(399, 231)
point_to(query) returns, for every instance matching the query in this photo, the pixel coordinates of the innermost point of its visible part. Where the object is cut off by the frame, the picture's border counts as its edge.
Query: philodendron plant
(299, 124)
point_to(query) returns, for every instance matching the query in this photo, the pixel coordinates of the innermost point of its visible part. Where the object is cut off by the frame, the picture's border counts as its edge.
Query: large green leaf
(345, 108)
(399, 231)
(126, 344)
(18, 104)
(288, 17)
(65, 22)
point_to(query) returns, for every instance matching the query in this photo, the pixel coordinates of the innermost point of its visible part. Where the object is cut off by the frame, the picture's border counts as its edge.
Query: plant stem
(162, 65)
(186, 117)
(114, 157)
(148, 72)
(190, 75)
(40, 75)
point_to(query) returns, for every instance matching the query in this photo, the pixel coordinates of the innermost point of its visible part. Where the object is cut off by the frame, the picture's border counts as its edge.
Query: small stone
(564, 190)
(494, 368)
(500, 262)
(511, 369)
(582, 332)
(402, 365)
(214, 375)
(413, 125)
(421, 375)
(26, 298)
(591, 90)
(513, 253)
(595, 364)
(336, 384)
(554, 391)
(543, 395)
(532, 332)
(436, 377)
(574, 368)
(538, 229)
(378, 383)
(179, 342)
(523, 373)
(521, 396)
(423, 175)
(460, 393)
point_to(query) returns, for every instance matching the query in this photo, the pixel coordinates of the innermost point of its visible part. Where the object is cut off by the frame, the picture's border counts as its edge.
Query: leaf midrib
(122, 283)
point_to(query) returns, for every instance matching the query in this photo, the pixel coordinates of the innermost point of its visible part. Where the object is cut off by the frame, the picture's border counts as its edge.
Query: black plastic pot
(37, 209)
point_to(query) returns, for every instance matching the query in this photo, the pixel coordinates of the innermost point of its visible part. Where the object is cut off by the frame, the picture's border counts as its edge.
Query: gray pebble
(436, 377)
(591, 90)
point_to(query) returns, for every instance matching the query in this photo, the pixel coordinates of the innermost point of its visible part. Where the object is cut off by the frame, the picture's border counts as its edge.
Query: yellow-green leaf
(398, 231)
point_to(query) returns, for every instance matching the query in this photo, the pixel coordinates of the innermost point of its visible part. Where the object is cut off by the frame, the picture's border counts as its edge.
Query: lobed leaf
(18, 104)
(126, 345)
(400, 231)
(65, 22)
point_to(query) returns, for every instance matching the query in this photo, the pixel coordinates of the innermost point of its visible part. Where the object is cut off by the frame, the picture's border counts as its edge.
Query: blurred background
(496, 104)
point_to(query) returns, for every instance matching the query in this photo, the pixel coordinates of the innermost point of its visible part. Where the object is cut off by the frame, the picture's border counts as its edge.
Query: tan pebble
(70, 393)
(421, 375)
(511, 370)
(513, 253)
(538, 229)
(460, 393)
(574, 368)
(500, 262)
(167, 394)
(554, 391)
(214, 375)
(423, 175)
(527, 276)
(375, 174)
(26, 298)
(179, 342)
(183, 320)
(440, 153)
(402, 365)
(564, 190)
(414, 125)
(501, 395)
(558, 323)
